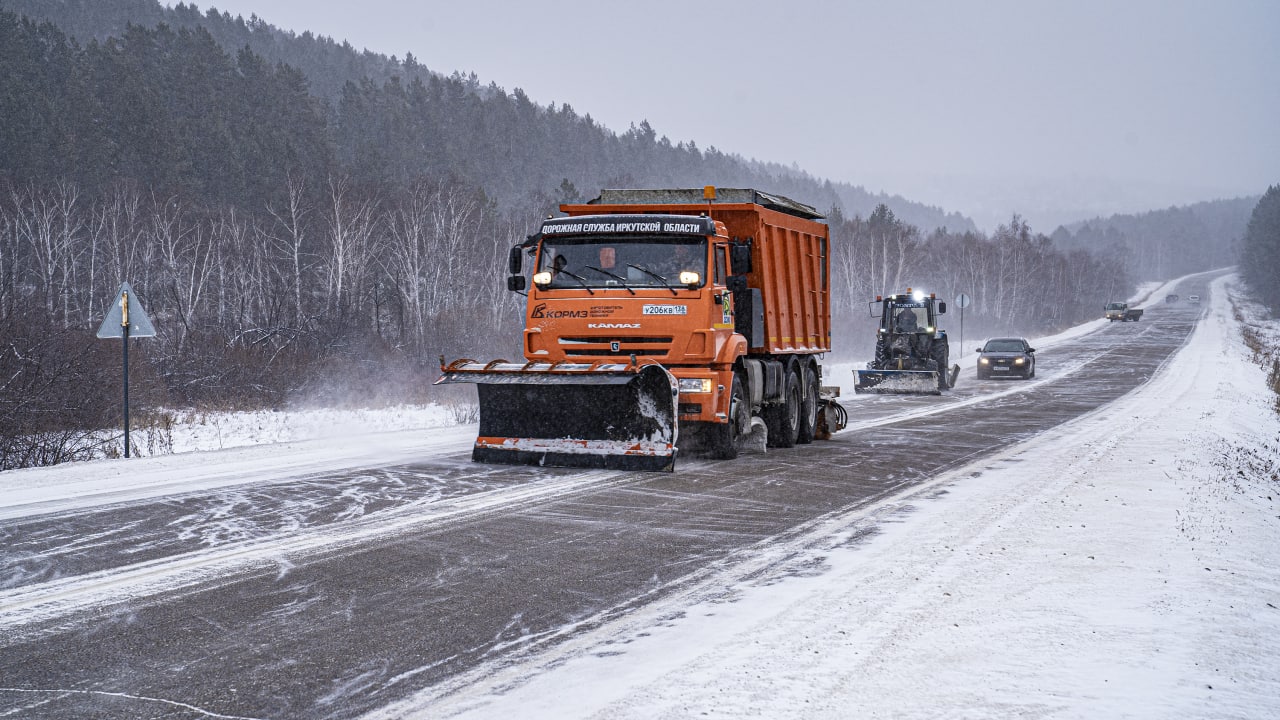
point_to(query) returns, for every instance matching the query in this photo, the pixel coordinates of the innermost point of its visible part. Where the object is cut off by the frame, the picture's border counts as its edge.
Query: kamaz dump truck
(912, 353)
(660, 320)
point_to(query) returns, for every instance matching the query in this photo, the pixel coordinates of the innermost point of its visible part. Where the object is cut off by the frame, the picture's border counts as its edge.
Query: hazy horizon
(1056, 112)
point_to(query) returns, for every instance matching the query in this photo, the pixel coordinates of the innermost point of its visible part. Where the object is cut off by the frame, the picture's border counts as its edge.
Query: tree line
(1018, 281)
(1260, 254)
(1167, 243)
(210, 103)
(341, 292)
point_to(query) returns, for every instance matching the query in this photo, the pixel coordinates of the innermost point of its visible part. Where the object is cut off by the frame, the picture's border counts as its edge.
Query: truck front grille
(604, 347)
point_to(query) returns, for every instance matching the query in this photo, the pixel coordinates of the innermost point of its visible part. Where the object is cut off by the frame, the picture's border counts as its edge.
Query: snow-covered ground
(1123, 565)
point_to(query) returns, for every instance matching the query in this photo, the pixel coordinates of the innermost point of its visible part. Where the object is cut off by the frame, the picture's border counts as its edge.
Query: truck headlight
(688, 277)
(542, 278)
(695, 385)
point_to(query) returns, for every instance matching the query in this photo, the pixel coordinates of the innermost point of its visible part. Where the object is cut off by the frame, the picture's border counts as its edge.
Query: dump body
(729, 296)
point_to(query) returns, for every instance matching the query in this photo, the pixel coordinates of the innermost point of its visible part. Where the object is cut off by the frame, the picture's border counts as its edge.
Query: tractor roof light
(917, 296)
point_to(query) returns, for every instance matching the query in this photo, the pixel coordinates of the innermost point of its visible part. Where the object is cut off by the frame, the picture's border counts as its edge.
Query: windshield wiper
(581, 280)
(619, 278)
(665, 282)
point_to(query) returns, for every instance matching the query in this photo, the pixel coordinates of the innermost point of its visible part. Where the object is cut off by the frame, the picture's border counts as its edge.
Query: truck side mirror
(514, 262)
(515, 283)
(942, 307)
(740, 256)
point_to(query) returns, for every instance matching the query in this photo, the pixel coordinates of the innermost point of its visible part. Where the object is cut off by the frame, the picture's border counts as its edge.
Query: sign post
(118, 324)
(962, 300)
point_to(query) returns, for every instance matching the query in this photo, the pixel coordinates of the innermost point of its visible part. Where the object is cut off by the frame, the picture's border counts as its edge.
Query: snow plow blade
(897, 382)
(616, 416)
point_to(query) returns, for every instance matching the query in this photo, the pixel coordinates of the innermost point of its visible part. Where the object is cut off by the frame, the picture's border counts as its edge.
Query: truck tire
(809, 406)
(783, 419)
(724, 438)
(938, 353)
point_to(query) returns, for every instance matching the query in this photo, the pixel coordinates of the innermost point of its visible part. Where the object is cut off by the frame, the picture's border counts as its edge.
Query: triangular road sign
(126, 305)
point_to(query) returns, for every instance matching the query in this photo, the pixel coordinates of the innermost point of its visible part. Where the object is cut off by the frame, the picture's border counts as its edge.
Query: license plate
(666, 310)
(1000, 369)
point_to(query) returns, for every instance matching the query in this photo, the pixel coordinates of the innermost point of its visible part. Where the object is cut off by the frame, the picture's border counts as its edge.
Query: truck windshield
(1115, 306)
(613, 261)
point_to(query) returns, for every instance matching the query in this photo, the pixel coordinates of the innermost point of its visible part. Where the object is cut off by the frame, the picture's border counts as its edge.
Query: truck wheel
(783, 419)
(809, 407)
(939, 353)
(724, 438)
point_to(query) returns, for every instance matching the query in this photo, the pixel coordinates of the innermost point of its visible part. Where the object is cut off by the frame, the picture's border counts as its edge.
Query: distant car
(1193, 299)
(1006, 357)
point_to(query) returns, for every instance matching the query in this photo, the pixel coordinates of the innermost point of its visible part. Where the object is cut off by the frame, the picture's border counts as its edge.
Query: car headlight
(1019, 361)
(695, 385)
(984, 361)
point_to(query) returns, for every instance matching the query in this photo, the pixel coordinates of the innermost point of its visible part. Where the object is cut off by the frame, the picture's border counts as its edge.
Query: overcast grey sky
(1055, 110)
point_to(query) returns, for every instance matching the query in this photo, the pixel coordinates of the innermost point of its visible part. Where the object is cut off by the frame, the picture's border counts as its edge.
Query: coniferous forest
(308, 223)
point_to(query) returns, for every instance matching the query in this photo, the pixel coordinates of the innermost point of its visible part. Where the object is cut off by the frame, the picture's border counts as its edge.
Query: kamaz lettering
(614, 326)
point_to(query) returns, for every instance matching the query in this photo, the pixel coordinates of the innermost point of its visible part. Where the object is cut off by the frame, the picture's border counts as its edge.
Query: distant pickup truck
(1122, 312)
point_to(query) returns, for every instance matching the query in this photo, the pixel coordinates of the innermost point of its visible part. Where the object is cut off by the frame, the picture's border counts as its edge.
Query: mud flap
(612, 416)
(952, 375)
(897, 382)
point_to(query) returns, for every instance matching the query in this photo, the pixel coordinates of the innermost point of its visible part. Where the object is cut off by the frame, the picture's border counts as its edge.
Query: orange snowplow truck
(658, 321)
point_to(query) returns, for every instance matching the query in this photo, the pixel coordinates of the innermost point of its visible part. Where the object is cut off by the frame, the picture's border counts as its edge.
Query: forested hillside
(1166, 243)
(297, 242)
(393, 120)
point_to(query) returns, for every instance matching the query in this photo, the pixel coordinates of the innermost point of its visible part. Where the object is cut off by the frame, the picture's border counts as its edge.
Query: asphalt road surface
(334, 594)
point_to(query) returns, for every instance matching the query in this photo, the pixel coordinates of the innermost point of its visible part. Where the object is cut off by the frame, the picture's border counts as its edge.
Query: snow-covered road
(1111, 566)
(1122, 565)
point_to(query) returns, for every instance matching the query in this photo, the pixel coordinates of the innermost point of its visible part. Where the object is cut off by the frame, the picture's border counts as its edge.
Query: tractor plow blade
(897, 382)
(615, 416)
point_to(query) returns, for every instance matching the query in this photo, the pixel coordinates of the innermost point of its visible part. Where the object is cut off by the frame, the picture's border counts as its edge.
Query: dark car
(1006, 357)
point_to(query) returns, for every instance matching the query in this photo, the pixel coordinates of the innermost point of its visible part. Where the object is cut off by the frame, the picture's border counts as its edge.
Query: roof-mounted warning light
(709, 192)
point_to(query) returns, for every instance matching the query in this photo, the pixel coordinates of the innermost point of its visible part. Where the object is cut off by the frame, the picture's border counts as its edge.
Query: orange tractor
(660, 320)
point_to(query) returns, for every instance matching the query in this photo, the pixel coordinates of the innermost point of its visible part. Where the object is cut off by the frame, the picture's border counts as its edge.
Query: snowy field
(1121, 566)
